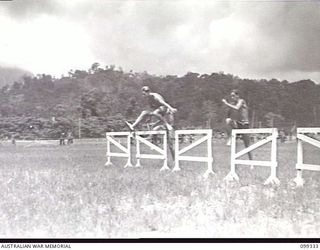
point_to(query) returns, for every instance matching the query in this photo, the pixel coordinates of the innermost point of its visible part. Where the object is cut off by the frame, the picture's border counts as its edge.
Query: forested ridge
(101, 98)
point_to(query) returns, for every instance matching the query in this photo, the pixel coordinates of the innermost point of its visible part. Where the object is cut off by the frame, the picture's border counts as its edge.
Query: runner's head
(234, 94)
(145, 90)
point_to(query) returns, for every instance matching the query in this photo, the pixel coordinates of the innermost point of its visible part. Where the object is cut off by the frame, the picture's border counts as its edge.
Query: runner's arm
(237, 106)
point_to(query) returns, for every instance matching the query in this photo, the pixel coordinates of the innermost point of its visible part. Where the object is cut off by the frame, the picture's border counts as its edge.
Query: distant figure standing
(238, 117)
(158, 107)
(62, 138)
(69, 138)
(13, 140)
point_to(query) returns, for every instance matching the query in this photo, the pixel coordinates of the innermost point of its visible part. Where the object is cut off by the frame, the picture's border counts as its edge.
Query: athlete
(238, 117)
(158, 108)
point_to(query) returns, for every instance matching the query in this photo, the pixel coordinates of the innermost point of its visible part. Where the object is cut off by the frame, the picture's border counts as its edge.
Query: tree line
(90, 102)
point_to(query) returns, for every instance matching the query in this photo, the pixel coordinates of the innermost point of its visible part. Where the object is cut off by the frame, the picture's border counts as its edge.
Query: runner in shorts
(158, 107)
(238, 117)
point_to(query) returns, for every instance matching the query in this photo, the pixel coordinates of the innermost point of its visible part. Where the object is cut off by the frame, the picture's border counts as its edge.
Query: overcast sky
(251, 39)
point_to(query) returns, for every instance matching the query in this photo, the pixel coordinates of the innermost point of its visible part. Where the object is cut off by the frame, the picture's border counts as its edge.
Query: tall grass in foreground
(52, 191)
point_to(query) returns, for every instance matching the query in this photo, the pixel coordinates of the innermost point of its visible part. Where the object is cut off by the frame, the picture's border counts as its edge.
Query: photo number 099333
(309, 246)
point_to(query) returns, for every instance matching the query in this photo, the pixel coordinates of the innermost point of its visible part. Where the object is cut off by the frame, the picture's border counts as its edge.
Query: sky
(256, 39)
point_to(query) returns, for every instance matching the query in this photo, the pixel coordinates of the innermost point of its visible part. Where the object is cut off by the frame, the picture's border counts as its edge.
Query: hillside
(9, 75)
(100, 99)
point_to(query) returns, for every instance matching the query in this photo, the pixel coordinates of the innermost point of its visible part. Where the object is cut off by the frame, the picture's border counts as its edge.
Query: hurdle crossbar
(300, 165)
(163, 152)
(206, 138)
(234, 156)
(126, 150)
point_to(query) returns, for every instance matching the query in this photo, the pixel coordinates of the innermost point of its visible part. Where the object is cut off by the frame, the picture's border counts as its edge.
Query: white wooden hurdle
(234, 155)
(163, 152)
(300, 166)
(178, 152)
(126, 151)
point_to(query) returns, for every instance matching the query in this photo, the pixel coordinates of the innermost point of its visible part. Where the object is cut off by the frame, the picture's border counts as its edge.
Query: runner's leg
(230, 124)
(246, 138)
(159, 113)
(141, 117)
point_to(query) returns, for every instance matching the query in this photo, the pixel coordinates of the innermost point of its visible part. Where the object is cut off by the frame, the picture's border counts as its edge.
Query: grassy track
(52, 191)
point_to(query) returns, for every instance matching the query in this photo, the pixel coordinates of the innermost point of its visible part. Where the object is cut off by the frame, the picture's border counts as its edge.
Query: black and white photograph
(160, 119)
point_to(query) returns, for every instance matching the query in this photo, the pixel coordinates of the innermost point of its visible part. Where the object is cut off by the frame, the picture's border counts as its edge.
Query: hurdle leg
(232, 174)
(209, 170)
(176, 153)
(273, 179)
(299, 180)
(165, 153)
(129, 164)
(138, 164)
(108, 163)
(210, 158)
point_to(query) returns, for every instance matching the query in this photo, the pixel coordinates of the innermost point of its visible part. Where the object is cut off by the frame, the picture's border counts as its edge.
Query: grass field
(48, 190)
